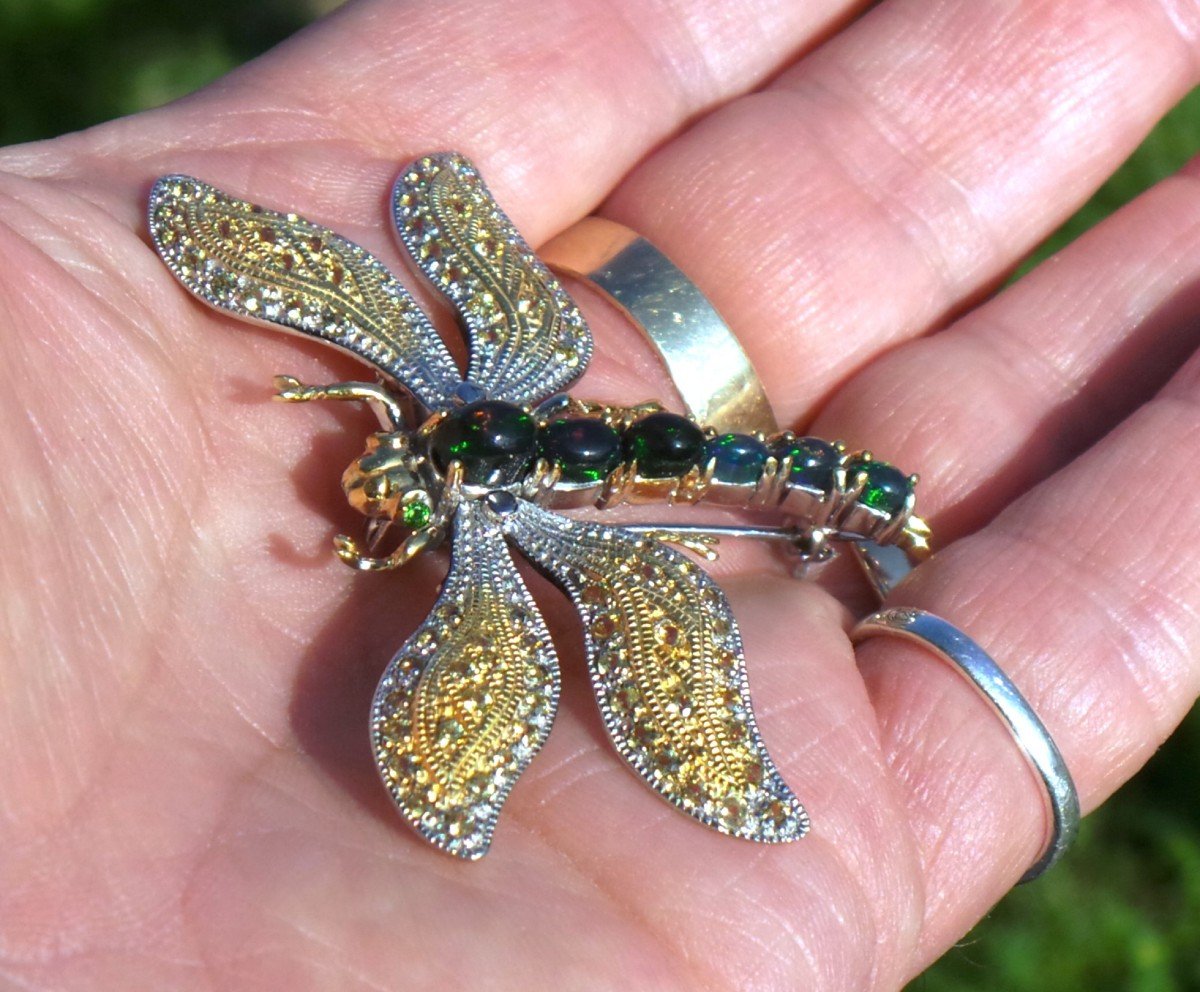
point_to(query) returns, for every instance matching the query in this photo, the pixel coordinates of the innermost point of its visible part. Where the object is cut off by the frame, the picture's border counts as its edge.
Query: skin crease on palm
(187, 796)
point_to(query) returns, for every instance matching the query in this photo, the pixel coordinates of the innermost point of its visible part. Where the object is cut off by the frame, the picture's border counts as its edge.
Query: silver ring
(1044, 758)
(705, 360)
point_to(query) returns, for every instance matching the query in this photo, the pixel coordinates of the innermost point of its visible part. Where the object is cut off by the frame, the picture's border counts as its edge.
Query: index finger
(554, 101)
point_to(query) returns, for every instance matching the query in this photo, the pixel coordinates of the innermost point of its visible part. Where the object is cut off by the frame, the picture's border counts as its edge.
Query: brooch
(485, 461)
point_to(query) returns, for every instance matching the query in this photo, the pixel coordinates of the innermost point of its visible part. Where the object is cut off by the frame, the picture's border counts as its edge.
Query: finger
(900, 169)
(997, 402)
(1085, 593)
(554, 100)
(1009, 393)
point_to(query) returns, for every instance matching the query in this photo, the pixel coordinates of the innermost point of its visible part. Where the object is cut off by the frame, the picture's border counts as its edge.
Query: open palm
(188, 794)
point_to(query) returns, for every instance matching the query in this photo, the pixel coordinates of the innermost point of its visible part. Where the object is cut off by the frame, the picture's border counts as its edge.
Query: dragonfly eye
(381, 482)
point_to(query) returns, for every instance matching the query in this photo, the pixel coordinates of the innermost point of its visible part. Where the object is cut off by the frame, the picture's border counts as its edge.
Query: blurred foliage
(1122, 912)
(1175, 140)
(65, 64)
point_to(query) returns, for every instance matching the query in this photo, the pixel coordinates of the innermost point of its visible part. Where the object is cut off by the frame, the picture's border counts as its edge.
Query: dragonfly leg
(292, 390)
(353, 554)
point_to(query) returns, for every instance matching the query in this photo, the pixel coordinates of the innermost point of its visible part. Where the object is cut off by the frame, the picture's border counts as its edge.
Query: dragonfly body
(567, 454)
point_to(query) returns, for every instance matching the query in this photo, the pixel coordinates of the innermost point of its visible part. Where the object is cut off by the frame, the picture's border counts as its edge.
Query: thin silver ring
(1044, 758)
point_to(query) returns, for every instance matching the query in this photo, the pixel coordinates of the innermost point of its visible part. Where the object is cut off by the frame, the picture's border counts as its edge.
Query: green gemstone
(737, 458)
(664, 445)
(585, 449)
(494, 442)
(886, 488)
(416, 514)
(813, 462)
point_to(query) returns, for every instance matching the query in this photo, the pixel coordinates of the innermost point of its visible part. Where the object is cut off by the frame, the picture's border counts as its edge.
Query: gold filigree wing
(469, 699)
(667, 667)
(528, 339)
(284, 270)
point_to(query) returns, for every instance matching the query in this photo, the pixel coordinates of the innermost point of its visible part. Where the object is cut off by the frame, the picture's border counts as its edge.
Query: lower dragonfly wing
(469, 699)
(668, 670)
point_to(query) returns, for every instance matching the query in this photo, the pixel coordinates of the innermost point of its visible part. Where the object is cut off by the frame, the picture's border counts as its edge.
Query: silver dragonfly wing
(470, 697)
(668, 670)
(528, 339)
(284, 270)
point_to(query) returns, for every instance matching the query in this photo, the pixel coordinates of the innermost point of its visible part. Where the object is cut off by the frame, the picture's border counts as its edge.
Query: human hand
(189, 798)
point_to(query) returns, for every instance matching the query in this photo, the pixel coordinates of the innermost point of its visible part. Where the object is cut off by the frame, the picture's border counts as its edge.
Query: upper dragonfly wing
(668, 670)
(528, 339)
(469, 699)
(285, 270)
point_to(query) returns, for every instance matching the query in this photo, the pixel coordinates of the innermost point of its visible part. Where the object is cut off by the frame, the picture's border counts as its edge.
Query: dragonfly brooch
(485, 461)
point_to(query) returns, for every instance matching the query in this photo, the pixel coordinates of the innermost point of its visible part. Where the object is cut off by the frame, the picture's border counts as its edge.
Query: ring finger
(1081, 588)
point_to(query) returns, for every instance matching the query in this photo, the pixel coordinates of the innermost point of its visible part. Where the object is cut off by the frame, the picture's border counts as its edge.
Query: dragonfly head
(385, 482)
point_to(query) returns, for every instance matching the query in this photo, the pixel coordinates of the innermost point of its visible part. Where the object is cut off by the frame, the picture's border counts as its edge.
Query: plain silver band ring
(703, 357)
(952, 645)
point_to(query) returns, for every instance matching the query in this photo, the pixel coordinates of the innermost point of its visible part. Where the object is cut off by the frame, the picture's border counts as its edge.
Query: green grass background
(1122, 912)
